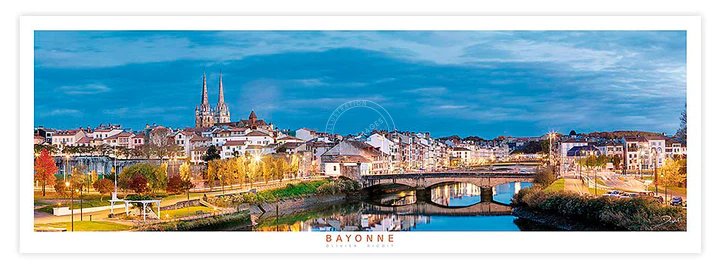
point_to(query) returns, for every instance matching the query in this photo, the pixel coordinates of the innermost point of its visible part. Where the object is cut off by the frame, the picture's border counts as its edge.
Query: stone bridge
(431, 209)
(484, 179)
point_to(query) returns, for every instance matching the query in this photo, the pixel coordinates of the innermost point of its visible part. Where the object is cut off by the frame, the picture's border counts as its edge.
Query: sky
(482, 83)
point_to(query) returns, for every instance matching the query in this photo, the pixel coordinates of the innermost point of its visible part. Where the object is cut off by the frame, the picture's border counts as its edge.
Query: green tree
(212, 153)
(153, 174)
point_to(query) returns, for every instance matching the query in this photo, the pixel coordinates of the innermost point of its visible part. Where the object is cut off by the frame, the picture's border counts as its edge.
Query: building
(206, 116)
(353, 159)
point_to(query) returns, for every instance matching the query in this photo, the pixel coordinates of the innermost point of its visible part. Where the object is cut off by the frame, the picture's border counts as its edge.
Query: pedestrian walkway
(575, 185)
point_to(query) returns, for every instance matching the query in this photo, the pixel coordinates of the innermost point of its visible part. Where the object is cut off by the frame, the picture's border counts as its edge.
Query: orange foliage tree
(45, 169)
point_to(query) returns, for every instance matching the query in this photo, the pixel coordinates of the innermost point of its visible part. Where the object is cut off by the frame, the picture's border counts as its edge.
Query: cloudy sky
(483, 83)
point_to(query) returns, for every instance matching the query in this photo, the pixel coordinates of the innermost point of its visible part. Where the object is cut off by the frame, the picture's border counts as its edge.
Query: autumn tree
(266, 167)
(186, 179)
(241, 165)
(45, 169)
(294, 165)
(139, 184)
(173, 185)
(672, 173)
(103, 186)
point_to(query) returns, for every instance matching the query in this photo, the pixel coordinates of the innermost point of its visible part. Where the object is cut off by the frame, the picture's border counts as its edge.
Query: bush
(637, 214)
(545, 177)
(289, 191)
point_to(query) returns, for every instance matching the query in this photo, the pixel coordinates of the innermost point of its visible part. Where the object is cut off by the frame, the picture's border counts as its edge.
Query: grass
(185, 212)
(557, 185)
(88, 226)
(296, 190)
(600, 191)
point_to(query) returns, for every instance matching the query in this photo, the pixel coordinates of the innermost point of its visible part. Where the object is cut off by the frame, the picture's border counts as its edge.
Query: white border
(405, 242)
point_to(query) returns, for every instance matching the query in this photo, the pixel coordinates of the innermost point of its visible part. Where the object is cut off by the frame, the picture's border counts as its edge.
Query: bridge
(425, 205)
(432, 209)
(484, 179)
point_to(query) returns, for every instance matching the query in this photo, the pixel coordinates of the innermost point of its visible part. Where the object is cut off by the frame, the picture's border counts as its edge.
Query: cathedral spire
(221, 98)
(204, 90)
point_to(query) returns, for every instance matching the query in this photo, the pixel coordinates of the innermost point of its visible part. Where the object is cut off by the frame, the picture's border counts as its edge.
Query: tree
(212, 172)
(153, 174)
(682, 132)
(294, 165)
(93, 178)
(266, 167)
(672, 173)
(104, 186)
(173, 185)
(616, 161)
(45, 169)
(186, 179)
(161, 179)
(241, 165)
(139, 184)
(211, 154)
(573, 133)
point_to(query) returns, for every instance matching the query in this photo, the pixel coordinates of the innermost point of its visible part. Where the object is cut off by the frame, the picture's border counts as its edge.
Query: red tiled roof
(346, 159)
(234, 143)
(84, 140)
(123, 134)
(256, 133)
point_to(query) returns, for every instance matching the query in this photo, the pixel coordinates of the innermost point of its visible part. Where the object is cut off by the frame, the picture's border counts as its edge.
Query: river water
(447, 207)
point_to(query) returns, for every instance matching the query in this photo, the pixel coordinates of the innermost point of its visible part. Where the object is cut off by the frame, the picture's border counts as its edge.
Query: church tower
(203, 114)
(222, 113)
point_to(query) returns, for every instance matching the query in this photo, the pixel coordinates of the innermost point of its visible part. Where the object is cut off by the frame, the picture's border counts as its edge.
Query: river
(446, 207)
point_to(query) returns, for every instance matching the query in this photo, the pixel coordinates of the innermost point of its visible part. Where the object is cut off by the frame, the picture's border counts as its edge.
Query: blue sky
(484, 83)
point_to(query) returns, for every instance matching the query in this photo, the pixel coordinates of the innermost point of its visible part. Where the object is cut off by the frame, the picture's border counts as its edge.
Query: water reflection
(404, 212)
(456, 194)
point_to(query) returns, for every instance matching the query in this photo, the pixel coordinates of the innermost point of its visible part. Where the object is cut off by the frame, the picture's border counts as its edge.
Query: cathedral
(206, 116)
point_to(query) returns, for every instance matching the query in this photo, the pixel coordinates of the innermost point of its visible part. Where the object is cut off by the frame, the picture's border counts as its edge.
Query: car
(615, 192)
(659, 199)
(646, 193)
(676, 201)
(631, 195)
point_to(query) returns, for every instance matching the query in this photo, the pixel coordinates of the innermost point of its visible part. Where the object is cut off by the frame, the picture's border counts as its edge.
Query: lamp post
(655, 170)
(115, 171)
(595, 171)
(68, 185)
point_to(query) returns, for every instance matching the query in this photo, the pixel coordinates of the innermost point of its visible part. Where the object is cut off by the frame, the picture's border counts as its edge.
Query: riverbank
(277, 202)
(557, 222)
(571, 211)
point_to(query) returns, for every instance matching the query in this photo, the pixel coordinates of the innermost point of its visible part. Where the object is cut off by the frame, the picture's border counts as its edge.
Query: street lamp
(655, 153)
(68, 185)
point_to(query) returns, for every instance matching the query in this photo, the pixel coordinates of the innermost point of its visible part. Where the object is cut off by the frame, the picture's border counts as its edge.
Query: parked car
(631, 195)
(646, 193)
(676, 201)
(659, 199)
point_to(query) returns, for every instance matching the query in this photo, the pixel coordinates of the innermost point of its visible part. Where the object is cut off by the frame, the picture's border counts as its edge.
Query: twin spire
(206, 116)
(221, 97)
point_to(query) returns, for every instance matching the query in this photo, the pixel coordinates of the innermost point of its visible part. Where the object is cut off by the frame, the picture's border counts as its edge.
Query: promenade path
(43, 218)
(575, 185)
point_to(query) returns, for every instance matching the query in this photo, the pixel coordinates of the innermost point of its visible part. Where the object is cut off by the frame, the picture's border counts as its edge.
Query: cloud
(63, 112)
(86, 89)
(443, 81)
(428, 91)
